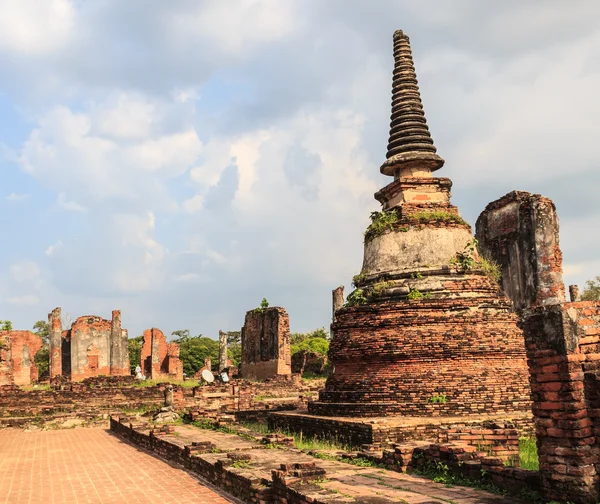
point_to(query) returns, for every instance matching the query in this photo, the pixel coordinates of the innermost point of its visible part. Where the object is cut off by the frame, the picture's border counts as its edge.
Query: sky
(182, 160)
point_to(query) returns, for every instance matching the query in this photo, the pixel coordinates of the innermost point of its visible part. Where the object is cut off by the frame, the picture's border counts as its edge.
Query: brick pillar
(55, 342)
(338, 302)
(118, 348)
(562, 344)
(574, 293)
(222, 350)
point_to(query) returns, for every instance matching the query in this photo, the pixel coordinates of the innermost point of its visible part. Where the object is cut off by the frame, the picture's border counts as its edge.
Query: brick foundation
(403, 357)
(563, 348)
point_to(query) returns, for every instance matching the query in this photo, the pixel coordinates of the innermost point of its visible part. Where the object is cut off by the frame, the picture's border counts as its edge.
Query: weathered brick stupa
(426, 330)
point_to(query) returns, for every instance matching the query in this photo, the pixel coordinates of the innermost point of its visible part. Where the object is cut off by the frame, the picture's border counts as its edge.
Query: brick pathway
(89, 466)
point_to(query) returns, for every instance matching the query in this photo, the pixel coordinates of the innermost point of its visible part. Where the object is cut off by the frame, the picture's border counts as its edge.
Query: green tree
(135, 352)
(42, 329)
(314, 341)
(6, 325)
(592, 290)
(194, 349)
(234, 347)
(42, 361)
(42, 358)
(182, 334)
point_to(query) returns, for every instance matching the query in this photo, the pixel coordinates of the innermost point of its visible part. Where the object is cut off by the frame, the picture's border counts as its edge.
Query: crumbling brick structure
(266, 344)
(159, 359)
(17, 353)
(520, 233)
(92, 346)
(426, 331)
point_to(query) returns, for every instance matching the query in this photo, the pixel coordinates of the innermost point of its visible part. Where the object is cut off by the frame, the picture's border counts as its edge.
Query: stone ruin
(17, 353)
(430, 333)
(520, 232)
(158, 358)
(92, 346)
(266, 344)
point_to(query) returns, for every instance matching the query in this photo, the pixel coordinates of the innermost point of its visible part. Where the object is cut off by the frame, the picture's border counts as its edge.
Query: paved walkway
(89, 466)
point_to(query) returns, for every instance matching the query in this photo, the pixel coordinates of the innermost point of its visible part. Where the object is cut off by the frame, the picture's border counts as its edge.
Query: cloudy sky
(182, 160)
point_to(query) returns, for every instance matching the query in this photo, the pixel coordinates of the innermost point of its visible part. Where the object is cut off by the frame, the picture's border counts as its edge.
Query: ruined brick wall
(520, 232)
(175, 366)
(55, 342)
(563, 349)
(159, 359)
(266, 344)
(119, 347)
(90, 347)
(98, 347)
(5, 360)
(17, 353)
(428, 357)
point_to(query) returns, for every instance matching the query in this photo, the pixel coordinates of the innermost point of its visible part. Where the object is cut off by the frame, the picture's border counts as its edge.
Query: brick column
(55, 342)
(563, 343)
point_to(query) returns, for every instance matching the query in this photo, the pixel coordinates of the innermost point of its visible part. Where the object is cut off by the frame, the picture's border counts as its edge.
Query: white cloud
(24, 271)
(231, 30)
(17, 197)
(26, 300)
(35, 26)
(187, 277)
(69, 206)
(53, 249)
(118, 149)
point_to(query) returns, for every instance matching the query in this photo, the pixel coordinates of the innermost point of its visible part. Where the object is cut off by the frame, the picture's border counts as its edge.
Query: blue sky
(182, 160)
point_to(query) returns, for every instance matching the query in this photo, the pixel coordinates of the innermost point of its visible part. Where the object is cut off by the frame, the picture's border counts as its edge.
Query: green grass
(180, 383)
(300, 441)
(436, 216)
(382, 222)
(528, 455)
(36, 387)
(491, 269)
(259, 428)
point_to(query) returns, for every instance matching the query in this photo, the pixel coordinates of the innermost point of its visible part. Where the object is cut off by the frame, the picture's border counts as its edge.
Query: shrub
(382, 222)
(356, 297)
(436, 216)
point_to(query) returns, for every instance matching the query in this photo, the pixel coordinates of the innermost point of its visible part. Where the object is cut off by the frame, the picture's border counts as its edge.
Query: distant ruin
(92, 346)
(17, 353)
(266, 344)
(158, 358)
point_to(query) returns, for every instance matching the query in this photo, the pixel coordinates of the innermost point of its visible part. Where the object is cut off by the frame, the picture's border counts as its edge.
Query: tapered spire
(410, 148)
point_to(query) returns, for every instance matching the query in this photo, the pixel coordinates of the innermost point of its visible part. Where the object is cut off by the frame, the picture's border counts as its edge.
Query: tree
(6, 325)
(234, 347)
(42, 358)
(314, 341)
(182, 334)
(135, 352)
(42, 329)
(592, 290)
(193, 350)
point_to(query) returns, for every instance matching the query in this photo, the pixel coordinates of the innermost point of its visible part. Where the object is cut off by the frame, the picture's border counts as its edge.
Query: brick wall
(266, 344)
(520, 232)
(159, 359)
(17, 353)
(563, 349)
(422, 358)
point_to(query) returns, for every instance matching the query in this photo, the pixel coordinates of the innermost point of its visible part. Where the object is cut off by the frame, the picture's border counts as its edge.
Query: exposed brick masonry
(17, 353)
(266, 344)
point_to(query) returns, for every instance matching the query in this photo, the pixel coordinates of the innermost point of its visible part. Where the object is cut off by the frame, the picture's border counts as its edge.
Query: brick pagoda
(427, 330)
